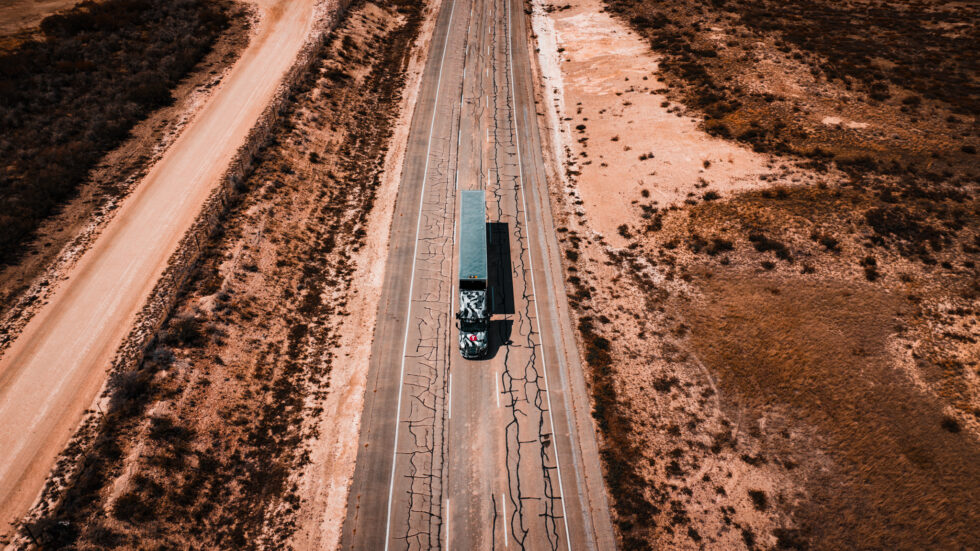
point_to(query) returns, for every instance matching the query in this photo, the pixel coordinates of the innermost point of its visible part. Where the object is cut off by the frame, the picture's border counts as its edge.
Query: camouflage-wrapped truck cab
(473, 316)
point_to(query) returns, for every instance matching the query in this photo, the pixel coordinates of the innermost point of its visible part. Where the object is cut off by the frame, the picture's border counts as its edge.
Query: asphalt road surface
(489, 454)
(52, 372)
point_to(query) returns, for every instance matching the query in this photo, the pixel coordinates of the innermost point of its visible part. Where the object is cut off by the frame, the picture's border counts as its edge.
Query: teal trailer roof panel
(473, 235)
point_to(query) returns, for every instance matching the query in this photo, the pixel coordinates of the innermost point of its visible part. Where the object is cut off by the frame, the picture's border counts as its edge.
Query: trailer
(473, 316)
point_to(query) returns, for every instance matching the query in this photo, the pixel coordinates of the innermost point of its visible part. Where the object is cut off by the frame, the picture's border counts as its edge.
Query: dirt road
(54, 370)
(475, 454)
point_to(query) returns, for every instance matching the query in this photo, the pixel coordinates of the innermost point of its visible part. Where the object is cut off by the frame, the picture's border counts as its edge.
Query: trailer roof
(473, 235)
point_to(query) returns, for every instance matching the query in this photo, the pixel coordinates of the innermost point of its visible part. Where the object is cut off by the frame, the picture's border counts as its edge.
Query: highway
(496, 453)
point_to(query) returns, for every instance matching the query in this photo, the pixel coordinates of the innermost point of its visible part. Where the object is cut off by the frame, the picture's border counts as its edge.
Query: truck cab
(473, 323)
(473, 315)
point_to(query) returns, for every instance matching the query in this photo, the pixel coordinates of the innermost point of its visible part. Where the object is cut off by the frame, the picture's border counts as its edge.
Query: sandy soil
(53, 371)
(625, 119)
(761, 371)
(258, 375)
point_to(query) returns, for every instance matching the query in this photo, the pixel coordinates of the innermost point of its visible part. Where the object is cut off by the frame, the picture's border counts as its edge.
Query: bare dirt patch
(202, 445)
(619, 132)
(791, 364)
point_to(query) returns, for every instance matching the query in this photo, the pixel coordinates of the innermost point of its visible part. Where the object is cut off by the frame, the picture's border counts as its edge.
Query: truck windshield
(472, 326)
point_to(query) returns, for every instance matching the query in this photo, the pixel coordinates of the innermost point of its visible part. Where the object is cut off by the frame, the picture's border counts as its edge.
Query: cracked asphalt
(490, 454)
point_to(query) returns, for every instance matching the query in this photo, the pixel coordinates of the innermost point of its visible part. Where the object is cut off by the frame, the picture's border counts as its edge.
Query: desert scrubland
(771, 231)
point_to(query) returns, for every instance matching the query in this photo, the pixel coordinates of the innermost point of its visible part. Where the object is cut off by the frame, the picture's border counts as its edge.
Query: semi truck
(473, 316)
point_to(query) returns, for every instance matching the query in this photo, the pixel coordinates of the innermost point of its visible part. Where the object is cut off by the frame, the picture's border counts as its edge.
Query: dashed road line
(496, 386)
(503, 506)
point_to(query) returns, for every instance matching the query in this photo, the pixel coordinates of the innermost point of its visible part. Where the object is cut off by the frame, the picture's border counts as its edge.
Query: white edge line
(411, 284)
(448, 517)
(530, 257)
(450, 410)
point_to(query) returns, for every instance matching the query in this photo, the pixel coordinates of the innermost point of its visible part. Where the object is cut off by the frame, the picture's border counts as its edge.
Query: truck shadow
(500, 273)
(498, 337)
(501, 282)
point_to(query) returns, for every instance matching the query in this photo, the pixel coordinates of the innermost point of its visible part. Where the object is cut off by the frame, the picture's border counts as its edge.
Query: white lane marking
(503, 505)
(450, 395)
(411, 284)
(448, 516)
(454, 230)
(537, 317)
(496, 385)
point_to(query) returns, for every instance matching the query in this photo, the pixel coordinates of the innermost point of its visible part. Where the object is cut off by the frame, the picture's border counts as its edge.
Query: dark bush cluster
(829, 242)
(619, 450)
(851, 41)
(870, 265)
(950, 424)
(719, 245)
(903, 224)
(185, 332)
(597, 356)
(759, 500)
(68, 99)
(937, 65)
(766, 244)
